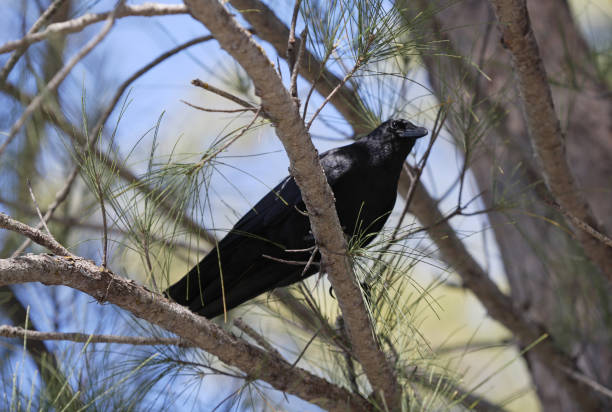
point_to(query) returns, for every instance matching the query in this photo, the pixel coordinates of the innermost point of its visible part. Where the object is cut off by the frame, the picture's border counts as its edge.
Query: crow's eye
(396, 124)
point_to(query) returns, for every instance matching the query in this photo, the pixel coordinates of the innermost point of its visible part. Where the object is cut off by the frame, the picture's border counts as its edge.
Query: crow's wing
(237, 268)
(271, 226)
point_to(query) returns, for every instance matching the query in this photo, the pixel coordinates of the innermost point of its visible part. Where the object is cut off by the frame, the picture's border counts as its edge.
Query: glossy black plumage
(363, 177)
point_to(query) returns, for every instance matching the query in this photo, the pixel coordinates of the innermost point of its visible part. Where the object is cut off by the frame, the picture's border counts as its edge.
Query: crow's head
(396, 133)
(393, 139)
(397, 130)
(400, 129)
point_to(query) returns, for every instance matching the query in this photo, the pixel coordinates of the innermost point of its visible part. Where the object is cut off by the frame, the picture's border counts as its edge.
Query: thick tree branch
(318, 197)
(544, 126)
(105, 286)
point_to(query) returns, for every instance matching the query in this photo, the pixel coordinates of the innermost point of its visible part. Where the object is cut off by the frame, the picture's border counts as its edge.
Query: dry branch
(105, 286)
(318, 197)
(12, 61)
(6, 222)
(544, 127)
(78, 24)
(57, 79)
(498, 305)
(18, 332)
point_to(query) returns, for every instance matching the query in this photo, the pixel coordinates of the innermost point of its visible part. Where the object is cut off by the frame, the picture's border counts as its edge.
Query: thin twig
(333, 92)
(101, 196)
(296, 68)
(7, 222)
(58, 79)
(303, 352)
(291, 57)
(206, 158)
(18, 332)
(308, 249)
(43, 222)
(61, 195)
(599, 388)
(145, 245)
(309, 318)
(289, 262)
(584, 226)
(78, 24)
(204, 109)
(469, 347)
(12, 61)
(222, 93)
(310, 262)
(315, 80)
(457, 212)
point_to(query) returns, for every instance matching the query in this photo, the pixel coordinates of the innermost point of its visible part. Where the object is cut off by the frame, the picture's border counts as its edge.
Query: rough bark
(316, 193)
(105, 286)
(544, 126)
(550, 281)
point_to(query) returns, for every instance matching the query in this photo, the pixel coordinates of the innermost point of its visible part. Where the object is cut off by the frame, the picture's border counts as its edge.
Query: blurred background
(155, 136)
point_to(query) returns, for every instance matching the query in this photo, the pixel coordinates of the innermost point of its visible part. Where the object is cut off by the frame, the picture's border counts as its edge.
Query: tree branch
(105, 286)
(271, 29)
(544, 127)
(12, 61)
(57, 79)
(18, 332)
(78, 24)
(498, 305)
(316, 193)
(6, 222)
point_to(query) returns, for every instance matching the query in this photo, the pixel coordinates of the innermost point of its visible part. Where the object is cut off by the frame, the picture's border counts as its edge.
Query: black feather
(363, 177)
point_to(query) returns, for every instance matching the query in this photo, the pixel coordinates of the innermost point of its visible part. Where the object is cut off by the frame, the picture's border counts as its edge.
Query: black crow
(271, 245)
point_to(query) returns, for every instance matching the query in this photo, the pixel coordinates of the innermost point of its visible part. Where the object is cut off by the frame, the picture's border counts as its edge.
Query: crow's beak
(415, 133)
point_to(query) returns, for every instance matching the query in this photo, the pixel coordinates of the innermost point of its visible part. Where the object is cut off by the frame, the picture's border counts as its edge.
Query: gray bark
(552, 281)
